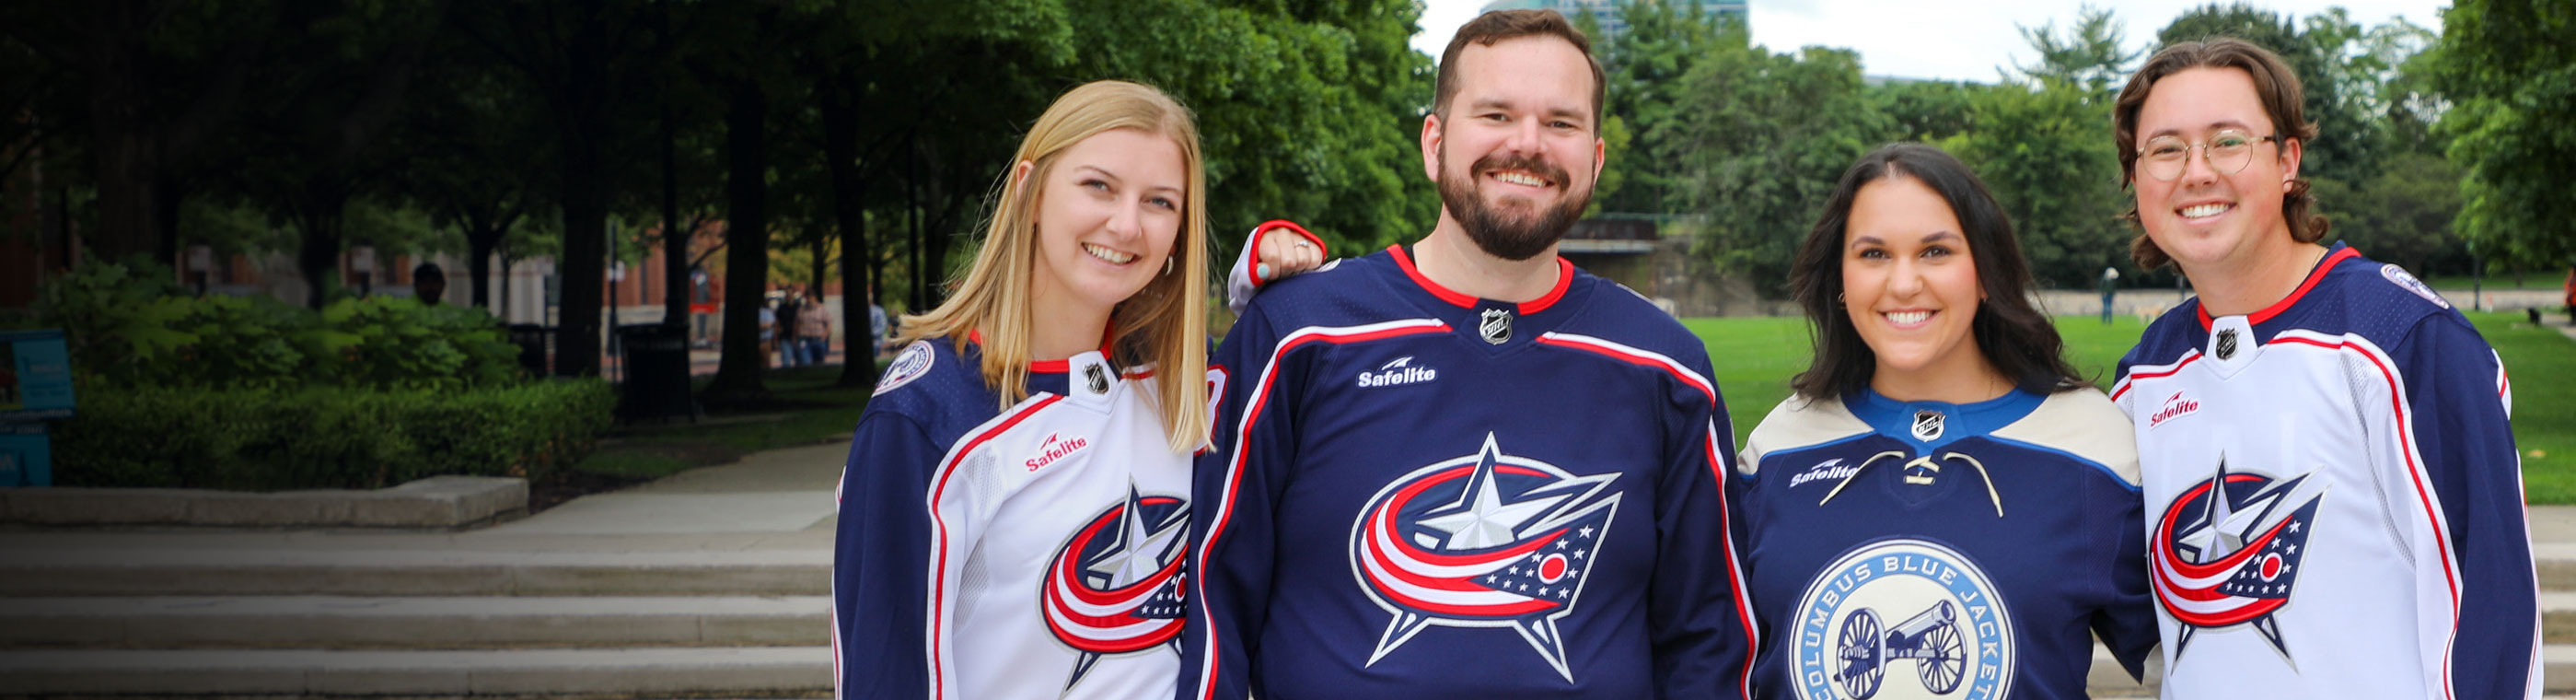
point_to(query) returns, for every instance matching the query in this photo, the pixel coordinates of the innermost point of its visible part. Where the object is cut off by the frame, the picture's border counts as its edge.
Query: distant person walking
(813, 329)
(2110, 288)
(2571, 294)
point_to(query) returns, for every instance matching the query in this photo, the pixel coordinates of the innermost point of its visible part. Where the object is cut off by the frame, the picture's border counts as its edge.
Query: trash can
(536, 345)
(656, 361)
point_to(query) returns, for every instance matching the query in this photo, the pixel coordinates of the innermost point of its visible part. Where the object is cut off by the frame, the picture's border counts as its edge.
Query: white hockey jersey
(2333, 500)
(1033, 551)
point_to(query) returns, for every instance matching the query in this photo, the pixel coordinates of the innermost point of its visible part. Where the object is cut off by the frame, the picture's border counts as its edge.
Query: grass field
(1754, 358)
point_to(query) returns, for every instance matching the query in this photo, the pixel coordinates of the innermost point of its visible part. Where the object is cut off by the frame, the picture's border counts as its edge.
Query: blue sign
(26, 455)
(35, 376)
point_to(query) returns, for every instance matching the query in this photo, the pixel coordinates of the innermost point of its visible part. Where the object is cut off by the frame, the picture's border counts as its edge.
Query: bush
(270, 439)
(128, 326)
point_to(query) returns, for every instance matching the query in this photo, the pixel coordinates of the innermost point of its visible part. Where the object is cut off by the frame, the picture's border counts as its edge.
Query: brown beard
(1500, 233)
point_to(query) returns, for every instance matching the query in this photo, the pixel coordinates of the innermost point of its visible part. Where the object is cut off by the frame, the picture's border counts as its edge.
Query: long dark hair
(2016, 337)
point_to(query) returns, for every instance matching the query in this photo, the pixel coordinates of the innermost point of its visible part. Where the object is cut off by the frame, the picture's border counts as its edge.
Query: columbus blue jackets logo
(913, 363)
(1115, 586)
(2227, 553)
(1489, 540)
(1903, 618)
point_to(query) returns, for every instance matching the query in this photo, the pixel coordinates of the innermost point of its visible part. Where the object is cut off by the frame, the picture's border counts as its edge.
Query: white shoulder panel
(2083, 423)
(1795, 423)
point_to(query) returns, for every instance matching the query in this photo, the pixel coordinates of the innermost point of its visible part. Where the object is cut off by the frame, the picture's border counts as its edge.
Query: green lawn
(1754, 358)
(823, 413)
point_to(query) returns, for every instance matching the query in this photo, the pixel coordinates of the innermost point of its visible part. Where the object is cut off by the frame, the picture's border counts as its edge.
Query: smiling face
(1910, 282)
(1517, 153)
(1108, 211)
(2205, 218)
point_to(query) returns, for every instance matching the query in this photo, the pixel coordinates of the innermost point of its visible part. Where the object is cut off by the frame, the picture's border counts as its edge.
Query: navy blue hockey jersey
(1417, 493)
(1028, 551)
(2334, 503)
(1929, 549)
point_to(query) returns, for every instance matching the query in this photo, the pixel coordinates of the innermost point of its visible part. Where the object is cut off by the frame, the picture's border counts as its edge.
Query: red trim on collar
(2314, 276)
(1406, 263)
(1043, 366)
(1564, 280)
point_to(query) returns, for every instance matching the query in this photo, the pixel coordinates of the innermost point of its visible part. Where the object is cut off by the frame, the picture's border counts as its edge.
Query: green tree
(1644, 71)
(2040, 149)
(1765, 136)
(2510, 73)
(2088, 56)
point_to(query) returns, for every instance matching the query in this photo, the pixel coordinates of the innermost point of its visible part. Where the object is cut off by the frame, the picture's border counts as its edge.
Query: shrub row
(326, 437)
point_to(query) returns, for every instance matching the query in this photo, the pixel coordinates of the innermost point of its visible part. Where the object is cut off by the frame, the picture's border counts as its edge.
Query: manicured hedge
(326, 437)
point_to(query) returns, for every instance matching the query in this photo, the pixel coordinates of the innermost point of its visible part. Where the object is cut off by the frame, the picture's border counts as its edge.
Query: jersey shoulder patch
(2398, 276)
(913, 363)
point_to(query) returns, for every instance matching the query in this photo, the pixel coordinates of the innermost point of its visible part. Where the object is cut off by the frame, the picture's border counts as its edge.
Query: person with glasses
(2333, 497)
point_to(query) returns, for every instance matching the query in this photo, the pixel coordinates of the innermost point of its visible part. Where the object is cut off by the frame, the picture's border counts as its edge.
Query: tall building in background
(1606, 12)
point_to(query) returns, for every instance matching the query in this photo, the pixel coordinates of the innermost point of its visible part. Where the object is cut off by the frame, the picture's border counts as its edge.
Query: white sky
(1950, 39)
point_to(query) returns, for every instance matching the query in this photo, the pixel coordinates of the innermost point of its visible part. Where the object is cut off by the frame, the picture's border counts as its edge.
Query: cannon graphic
(1930, 639)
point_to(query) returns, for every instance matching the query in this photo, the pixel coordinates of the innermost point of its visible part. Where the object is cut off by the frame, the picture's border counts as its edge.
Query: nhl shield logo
(1096, 378)
(1927, 425)
(1496, 326)
(1904, 617)
(2227, 344)
(1114, 587)
(2227, 553)
(1488, 540)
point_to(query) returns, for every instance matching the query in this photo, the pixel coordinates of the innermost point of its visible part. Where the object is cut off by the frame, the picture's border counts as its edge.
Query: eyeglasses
(2228, 152)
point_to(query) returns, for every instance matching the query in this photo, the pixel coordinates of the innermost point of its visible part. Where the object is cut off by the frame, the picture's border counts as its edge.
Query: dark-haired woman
(1945, 508)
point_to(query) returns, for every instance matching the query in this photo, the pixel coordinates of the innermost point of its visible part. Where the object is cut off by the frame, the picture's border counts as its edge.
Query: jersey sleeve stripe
(1253, 409)
(1632, 355)
(2152, 372)
(2414, 467)
(939, 526)
(1734, 565)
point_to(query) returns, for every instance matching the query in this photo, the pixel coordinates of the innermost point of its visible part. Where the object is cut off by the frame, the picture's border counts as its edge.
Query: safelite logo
(1054, 449)
(1399, 372)
(2175, 407)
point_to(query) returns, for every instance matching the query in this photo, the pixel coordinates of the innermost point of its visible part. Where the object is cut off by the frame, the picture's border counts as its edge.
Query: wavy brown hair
(2274, 85)
(2016, 338)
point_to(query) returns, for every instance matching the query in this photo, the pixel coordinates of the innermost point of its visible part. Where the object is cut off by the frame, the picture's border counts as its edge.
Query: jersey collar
(1404, 261)
(2336, 255)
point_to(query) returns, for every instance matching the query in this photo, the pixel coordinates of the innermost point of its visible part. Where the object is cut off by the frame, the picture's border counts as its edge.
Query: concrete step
(335, 622)
(2107, 680)
(656, 672)
(411, 572)
(2556, 562)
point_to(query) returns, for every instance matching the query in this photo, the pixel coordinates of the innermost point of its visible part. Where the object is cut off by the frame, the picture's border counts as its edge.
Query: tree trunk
(851, 212)
(739, 373)
(317, 255)
(127, 150)
(581, 270)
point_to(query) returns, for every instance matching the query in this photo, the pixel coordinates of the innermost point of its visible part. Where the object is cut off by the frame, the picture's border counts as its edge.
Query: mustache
(1523, 162)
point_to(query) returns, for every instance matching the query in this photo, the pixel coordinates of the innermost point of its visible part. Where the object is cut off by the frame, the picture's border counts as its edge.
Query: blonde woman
(1015, 505)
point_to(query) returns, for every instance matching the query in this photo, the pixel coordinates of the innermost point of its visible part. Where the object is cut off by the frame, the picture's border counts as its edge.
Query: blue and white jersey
(2334, 504)
(1417, 493)
(1032, 551)
(1926, 549)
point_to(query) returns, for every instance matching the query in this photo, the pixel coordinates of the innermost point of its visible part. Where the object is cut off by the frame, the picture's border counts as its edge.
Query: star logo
(1488, 540)
(1115, 586)
(2228, 552)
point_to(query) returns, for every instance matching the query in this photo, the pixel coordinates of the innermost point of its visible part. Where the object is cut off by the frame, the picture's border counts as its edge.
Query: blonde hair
(1163, 324)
